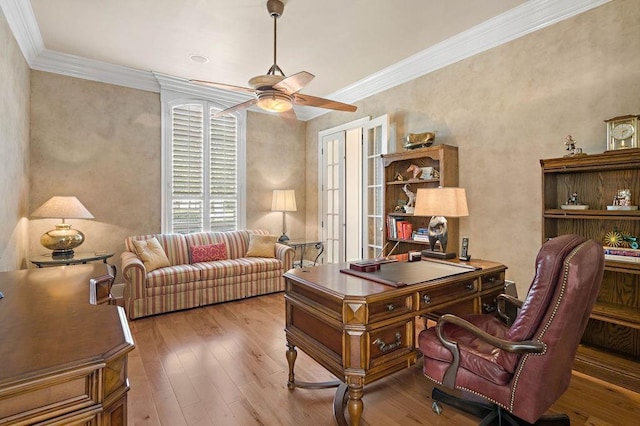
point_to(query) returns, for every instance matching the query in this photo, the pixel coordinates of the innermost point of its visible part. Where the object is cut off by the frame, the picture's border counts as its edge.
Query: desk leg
(355, 405)
(292, 354)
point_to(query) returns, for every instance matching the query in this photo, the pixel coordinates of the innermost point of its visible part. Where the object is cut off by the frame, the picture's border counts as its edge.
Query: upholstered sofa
(188, 278)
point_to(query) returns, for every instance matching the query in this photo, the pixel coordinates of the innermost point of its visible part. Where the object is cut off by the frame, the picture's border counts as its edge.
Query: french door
(351, 173)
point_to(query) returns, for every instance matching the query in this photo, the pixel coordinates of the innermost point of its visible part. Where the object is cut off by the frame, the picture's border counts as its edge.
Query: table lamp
(63, 239)
(438, 203)
(284, 200)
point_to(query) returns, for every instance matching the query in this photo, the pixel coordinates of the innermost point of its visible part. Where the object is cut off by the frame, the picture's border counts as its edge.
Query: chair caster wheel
(436, 408)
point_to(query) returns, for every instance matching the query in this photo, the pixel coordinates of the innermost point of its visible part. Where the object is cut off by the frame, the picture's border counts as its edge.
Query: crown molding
(517, 22)
(22, 21)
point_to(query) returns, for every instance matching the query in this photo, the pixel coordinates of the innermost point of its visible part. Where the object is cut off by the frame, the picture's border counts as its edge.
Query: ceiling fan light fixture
(274, 101)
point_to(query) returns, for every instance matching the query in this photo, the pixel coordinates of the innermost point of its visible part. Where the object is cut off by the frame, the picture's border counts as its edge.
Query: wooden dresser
(62, 359)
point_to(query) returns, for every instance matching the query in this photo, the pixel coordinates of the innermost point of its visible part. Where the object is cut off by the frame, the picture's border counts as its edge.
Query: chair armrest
(135, 275)
(502, 301)
(285, 254)
(526, 346)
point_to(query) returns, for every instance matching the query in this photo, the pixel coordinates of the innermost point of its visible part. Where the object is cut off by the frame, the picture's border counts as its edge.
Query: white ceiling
(353, 47)
(340, 41)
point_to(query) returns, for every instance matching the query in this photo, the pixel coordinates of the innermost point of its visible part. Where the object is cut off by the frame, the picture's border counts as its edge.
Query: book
(618, 258)
(621, 251)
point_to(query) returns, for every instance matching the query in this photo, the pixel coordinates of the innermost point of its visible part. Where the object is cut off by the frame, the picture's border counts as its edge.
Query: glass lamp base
(62, 240)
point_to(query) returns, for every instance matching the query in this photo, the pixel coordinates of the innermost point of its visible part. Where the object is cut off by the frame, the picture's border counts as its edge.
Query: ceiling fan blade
(223, 86)
(308, 100)
(290, 116)
(294, 83)
(246, 104)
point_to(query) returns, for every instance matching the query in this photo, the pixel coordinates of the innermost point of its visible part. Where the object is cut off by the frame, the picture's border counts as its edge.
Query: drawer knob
(470, 286)
(491, 279)
(386, 347)
(426, 299)
(390, 307)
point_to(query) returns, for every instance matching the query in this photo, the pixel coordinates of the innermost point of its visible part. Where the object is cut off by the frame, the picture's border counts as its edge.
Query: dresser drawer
(440, 295)
(386, 309)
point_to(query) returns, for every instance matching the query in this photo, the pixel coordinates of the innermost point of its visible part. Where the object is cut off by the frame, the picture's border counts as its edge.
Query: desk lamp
(63, 239)
(284, 200)
(438, 203)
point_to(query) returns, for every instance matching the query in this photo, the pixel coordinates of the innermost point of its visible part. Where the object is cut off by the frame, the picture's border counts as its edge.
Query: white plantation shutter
(187, 168)
(203, 176)
(223, 177)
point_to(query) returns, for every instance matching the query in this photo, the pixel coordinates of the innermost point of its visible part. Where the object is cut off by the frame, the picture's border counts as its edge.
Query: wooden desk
(62, 360)
(362, 331)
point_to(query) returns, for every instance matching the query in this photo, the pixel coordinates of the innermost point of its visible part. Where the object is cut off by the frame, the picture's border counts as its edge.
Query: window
(203, 160)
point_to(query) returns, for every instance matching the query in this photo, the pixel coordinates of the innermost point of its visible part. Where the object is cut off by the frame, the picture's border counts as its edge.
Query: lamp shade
(284, 200)
(446, 202)
(62, 208)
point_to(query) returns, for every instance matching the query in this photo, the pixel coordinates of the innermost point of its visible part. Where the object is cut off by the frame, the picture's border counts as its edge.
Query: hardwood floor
(225, 365)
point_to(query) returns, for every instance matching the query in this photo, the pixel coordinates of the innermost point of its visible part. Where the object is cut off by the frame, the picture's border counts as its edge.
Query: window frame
(170, 99)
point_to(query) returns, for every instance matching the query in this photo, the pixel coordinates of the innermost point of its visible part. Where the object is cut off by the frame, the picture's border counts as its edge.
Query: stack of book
(399, 229)
(620, 254)
(422, 234)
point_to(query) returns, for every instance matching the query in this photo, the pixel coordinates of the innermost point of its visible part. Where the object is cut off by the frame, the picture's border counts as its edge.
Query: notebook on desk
(400, 274)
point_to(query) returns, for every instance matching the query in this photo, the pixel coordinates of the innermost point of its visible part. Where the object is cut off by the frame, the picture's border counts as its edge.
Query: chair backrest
(569, 296)
(549, 265)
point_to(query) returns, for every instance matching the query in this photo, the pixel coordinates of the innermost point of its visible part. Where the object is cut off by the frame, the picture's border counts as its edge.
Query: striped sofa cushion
(254, 265)
(220, 269)
(172, 275)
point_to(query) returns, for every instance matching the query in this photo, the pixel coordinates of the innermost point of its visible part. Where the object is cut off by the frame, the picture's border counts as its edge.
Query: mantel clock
(622, 132)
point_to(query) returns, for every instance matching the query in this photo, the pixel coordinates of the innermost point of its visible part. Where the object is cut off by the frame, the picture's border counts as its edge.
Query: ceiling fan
(275, 92)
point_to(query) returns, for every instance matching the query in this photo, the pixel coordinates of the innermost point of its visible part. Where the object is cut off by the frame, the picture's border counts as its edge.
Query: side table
(77, 258)
(301, 245)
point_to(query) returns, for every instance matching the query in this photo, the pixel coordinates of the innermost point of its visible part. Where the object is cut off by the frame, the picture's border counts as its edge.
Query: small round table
(78, 257)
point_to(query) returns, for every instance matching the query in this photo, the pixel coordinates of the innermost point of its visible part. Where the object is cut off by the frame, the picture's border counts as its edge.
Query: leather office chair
(521, 369)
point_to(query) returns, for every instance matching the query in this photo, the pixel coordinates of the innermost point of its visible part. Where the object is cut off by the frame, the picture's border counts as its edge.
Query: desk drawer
(439, 295)
(392, 341)
(492, 280)
(379, 311)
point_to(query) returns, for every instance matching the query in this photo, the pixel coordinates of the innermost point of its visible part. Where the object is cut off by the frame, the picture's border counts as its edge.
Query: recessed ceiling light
(199, 59)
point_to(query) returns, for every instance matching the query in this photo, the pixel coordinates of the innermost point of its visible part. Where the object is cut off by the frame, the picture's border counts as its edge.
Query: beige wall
(275, 160)
(506, 109)
(101, 143)
(14, 152)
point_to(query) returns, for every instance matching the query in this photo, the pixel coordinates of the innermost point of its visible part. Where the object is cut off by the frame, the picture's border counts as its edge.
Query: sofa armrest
(134, 273)
(285, 254)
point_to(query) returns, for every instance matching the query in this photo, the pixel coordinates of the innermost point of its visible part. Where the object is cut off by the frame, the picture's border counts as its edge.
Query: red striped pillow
(208, 252)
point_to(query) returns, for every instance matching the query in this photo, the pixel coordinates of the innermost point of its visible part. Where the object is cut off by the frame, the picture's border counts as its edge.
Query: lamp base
(62, 240)
(62, 254)
(283, 238)
(437, 254)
